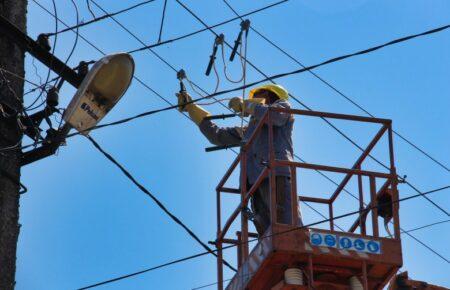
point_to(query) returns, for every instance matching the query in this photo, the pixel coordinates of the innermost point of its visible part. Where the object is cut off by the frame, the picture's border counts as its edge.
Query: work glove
(246, 107)
(236, 104)
(196, 113)
(183, 98)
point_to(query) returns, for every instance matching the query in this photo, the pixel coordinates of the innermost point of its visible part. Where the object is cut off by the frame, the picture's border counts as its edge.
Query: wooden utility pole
(11, 97)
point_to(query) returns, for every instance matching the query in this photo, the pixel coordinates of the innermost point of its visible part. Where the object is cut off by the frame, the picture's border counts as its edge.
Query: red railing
(356, 170)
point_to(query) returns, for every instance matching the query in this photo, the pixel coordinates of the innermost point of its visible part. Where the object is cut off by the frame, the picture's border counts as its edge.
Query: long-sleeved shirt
(258, 153)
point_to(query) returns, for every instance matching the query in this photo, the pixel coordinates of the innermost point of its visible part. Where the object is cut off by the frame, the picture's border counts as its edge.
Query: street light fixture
(101, 89)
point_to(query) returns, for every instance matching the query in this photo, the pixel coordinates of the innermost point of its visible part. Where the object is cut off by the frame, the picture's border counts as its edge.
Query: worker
(255, 106)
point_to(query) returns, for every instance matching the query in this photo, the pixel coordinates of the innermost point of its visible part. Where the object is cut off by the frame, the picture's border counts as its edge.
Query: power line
(205, 29)
(155, 54)
(162, 21)
(88, 4)
(425, 226)
(141, 82)
(260, 238)
(324, 63)
(158, 203)
(176, 106)
(142, 188)
(327, 61)
(52, 54)
(19, 77)
(329, 123)
(332, 60)
(103, 53)
(96, 19)
(336, 89)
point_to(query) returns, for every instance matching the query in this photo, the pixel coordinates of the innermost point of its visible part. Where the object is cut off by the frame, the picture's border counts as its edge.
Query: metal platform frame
(390, 181)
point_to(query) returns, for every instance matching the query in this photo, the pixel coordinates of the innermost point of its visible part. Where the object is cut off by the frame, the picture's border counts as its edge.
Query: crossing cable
(329, 61)
(403, 232)
(142, 188)
(339, 92)
(323, 63)
(156, 111)
(426, 226)
(156, 200)
(176, 106)
(154, 53)
(123, 169)
(88, 4)
(245, 59)
(263, 237)
(101, 52)
(134, 77)
(96, 19)
(147, 46)
(52, 54)
(30, 107)
(162, 21)
(141, 115)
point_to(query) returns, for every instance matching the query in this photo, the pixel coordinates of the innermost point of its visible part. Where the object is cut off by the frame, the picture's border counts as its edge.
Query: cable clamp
(245, 26)
(218, 41)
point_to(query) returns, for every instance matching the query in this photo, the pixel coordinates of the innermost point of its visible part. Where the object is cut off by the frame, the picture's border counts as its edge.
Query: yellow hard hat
(278, 90)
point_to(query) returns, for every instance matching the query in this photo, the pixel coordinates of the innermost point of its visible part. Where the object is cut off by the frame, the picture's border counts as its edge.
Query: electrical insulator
(43, 41)
(53, 97)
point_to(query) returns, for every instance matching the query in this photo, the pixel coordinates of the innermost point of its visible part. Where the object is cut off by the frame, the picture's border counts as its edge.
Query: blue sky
(83, 221)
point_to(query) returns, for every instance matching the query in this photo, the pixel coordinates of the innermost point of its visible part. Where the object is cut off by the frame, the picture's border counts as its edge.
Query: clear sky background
(84, 222)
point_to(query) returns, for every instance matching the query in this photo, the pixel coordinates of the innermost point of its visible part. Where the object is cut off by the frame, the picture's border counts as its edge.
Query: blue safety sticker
(373, 247)
(345, 243)
(330, 240)
(359, 244)
(316, 239)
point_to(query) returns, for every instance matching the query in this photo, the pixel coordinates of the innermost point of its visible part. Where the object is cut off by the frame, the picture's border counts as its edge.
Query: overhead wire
(172, 106)
(76, 33)
(162, 21)
(145, 85)
(155, 53)
(52, 52)
(147, 46)
(332, 125)
(425, 226)
(97, 19)
(155, 199)
(143, 188)
(334, 88)
(43, 102)
(103, 53)
(271, 78)
(88, 4)
(260, 238)
(309, 68)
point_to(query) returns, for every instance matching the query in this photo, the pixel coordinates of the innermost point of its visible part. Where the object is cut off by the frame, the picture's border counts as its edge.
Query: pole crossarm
(35, 49)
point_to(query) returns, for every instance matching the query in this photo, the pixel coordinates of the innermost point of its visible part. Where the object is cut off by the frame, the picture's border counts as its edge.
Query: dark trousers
(261, 204)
